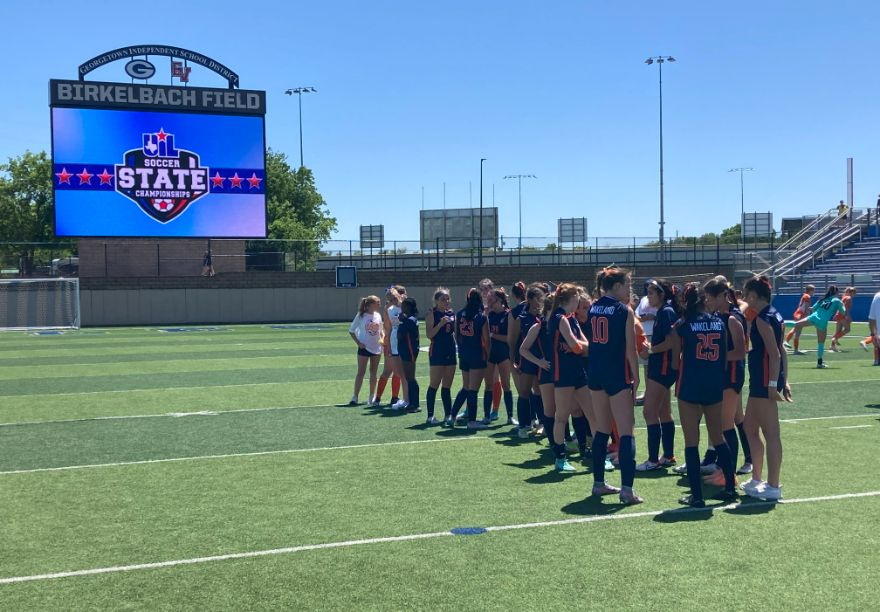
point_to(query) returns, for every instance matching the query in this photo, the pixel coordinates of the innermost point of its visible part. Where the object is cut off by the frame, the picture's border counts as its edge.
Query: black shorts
(439, 359)
(700, 394)
(499, 353)
(736, 377)
(466, 363)
(362, 352)
(545, 377)
(611, 387)
(667, 380)
(527, 367)
(571, 377)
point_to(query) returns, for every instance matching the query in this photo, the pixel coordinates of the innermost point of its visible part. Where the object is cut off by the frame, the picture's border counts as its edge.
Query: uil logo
(160, 178)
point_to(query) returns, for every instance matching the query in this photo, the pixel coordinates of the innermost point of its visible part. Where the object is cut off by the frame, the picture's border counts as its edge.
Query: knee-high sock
(460, 400)
(508, 403)
(496, 395)
(744, 443)
(413, 388)
(446, 398)
(472, 405)
(600, 451)
(655, 432)
(549, 423)
(876, 355)
(380, 389)
(537, 404)
(692, 461)
(430, 398)
(395, 386)
(820, 350)
(589, 430)
(523, 411)
(668, 429)
(487, 402)
(580, 431)
(711, 456)
(627, 457)
(724, 461)
(732, 444)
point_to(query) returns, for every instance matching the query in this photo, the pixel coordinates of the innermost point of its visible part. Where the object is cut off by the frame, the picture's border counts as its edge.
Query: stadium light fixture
(519, 178)
(299, 91)
(659, 60)
(742, 205)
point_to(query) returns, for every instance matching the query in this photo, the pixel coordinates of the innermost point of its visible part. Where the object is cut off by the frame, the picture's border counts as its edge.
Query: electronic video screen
(121, 173)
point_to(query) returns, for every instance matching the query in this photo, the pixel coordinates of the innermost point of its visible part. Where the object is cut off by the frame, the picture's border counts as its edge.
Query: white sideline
(408, 538)
(851, 427)
(285, 451)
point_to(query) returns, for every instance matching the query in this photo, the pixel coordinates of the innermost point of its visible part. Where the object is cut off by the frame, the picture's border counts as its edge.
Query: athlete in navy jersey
(528, 404)
(702, 339)
(472, 337)
(662, 372)
(440, 329)
(498, 367)
(611, 374)
(721, 299)
(767, 386)
(408, 349)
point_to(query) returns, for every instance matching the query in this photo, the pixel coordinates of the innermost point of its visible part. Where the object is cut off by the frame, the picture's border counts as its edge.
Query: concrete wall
(137, 258)
(306, 296)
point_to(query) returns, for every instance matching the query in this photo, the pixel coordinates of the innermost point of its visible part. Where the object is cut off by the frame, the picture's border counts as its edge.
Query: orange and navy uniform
(408, 339)
(660, 365)
(608, 368)
(759, 358)
(441, 351)
(568, 367)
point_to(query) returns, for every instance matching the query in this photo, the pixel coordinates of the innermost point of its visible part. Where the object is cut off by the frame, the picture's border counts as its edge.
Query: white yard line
(286, 451)
(851, 427)
(407, 538)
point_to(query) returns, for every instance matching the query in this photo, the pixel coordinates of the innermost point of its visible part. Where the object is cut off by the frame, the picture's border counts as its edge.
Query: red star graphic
(217, 180)
(63, 176)
(85, 178)
(254, 181)
(236, 180)
(162, 135)
(105, 177)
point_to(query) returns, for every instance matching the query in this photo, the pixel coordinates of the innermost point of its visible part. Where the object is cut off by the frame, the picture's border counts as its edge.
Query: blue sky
(413, 94)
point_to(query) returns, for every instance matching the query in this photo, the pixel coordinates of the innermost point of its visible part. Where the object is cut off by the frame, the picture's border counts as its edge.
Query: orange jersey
(803, 308)
(847, 301)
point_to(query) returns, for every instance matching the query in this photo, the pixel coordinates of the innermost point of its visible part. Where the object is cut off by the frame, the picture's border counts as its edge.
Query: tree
(295, 211)
(26, 206)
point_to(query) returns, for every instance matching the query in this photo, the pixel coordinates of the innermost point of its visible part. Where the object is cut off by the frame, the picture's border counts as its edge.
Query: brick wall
(144, 258)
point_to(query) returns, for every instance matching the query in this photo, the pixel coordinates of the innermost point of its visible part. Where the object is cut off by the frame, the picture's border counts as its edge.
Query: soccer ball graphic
(163, 205)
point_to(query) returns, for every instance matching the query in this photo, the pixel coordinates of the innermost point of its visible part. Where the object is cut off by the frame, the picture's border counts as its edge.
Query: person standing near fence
(208, 263)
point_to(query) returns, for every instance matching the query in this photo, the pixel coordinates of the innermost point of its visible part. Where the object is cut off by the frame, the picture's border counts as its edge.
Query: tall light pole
(299, 91)
(519, 178)
(742, 204)
(480, 237)
(659, 60)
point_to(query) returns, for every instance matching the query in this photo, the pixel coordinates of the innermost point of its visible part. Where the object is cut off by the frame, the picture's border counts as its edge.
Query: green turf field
(214, 470)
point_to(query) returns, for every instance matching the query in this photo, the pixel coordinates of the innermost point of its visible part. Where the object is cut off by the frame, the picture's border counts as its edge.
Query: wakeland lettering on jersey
(706, 326)
(603, 310)
(86, 94)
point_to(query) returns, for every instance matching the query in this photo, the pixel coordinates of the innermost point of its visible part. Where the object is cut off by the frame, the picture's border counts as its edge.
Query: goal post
(40, 303)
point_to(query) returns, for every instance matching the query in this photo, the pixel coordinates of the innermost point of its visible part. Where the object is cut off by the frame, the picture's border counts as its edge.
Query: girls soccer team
(574, 357)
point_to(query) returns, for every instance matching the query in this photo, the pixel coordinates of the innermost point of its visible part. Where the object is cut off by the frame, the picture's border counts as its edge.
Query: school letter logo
(160, 178)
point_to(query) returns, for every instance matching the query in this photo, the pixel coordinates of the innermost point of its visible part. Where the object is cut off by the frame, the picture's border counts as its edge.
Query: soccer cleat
(604, 489)
(449, 422)
(562, 465)
(864, 345)
(798, 352)
(523, 432)
(476, 425)
(768, 493)
(609, 465)
(512, 421)
(586, 453)
(727, 496)
(751, 487)
(668, 461)
(821, 366)
(786, 344)
(693, 502)
(708, 468)
(681, 470)
(353, 402)
(393, 401)
(400, 405)
(493, 416)
(745, 468)
(648, 466)
(628, 497)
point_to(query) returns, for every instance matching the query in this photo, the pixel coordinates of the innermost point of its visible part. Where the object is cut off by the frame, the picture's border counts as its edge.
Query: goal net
(45, 303)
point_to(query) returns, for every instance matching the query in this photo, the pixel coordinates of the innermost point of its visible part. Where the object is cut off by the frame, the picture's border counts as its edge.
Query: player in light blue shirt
(821, 313)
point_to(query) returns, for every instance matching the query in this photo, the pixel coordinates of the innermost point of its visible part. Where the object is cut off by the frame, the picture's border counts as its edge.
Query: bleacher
(856, 265)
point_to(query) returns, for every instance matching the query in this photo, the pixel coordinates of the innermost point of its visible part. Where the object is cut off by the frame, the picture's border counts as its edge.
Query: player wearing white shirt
(366, 331)
(646, 314)
(873, 319)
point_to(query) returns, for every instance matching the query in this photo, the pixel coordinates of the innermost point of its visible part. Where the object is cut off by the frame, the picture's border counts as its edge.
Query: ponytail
(474, 303)
(366, 302)
(693, 301)
(564, 293)
(518, 290)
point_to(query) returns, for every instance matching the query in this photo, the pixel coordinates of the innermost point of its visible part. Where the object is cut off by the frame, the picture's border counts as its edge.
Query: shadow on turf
(594, 506)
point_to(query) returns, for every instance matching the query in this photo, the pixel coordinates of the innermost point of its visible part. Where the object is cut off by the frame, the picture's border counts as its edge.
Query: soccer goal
(44, 303)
